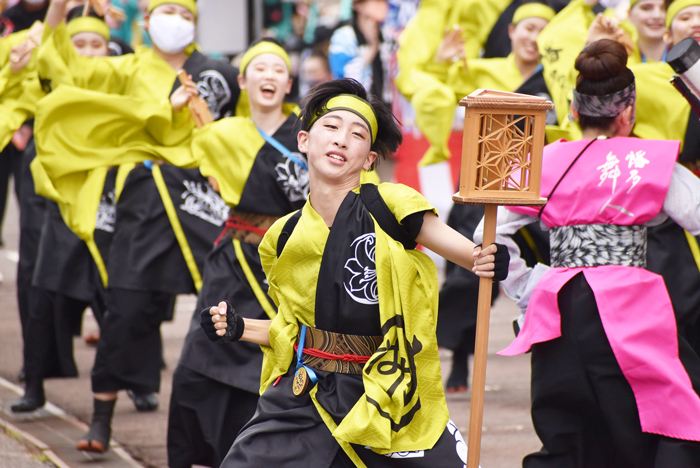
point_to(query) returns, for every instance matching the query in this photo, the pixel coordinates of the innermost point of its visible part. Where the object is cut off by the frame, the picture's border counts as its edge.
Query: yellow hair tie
(676, 7)
(529, 10)
(354, 104)
(88, 24)
(189, 4)
(264, 47)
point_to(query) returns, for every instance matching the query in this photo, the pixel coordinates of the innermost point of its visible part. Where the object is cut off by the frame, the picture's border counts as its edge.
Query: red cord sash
(238, 223)
(336, 357)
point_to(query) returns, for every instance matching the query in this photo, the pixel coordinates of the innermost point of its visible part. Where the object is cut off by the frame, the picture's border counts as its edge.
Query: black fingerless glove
(234, 328)
(502, 259)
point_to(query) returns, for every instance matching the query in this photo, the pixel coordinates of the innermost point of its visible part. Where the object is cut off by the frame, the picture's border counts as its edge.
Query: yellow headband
(88, 24)
(189, 4)
(529, 10)
(354, 104)
(264, 47)
(676, 7)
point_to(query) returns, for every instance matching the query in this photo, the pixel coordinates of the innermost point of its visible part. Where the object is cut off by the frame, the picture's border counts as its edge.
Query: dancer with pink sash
(613, 385)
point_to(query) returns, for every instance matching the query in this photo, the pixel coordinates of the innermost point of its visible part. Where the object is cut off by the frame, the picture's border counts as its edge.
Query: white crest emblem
(362, 286)
(214, 89)
(202, 201)
(107, 212)
(294, 179)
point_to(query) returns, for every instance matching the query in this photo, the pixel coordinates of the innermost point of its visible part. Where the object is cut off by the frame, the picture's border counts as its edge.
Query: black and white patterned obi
(597, 245)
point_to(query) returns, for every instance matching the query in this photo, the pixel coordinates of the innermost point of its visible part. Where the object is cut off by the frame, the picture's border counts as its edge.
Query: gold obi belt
(338, 352)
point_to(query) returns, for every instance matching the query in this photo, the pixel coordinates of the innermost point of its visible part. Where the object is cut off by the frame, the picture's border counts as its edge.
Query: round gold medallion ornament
(301, 382)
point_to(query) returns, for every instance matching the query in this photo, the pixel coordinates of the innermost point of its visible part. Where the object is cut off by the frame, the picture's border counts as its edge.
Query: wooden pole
(198, 108)
(476, 414)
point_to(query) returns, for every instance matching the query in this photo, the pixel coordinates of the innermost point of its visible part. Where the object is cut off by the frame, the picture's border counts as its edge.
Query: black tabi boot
(33, 398)
(97, 438)
(457, 381)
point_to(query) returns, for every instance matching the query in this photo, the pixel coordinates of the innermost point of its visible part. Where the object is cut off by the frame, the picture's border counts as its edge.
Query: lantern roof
(492, 99)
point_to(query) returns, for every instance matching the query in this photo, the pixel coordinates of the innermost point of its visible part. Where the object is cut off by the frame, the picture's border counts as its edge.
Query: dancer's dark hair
(602, 67)
(77, 12)
(389, 135)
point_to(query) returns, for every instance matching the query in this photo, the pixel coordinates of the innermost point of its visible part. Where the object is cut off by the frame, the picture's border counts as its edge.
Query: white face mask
(171, 33)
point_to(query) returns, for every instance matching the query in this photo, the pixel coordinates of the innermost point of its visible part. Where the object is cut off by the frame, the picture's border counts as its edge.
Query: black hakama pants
(287, 431)
(129, 353)
(583, 408)
(204, 418)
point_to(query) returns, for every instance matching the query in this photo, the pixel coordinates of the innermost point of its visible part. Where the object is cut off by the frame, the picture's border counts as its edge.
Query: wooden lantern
(502, 148)
(501, 165)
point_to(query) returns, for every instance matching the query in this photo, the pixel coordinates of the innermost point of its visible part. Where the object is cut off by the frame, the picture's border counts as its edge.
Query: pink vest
(620, 181)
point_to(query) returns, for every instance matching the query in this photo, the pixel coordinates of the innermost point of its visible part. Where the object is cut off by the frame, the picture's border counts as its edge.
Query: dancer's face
(523, 38)
(338, 146)
(90, 44)
(685, 24)
(649, 17)
(266, 78)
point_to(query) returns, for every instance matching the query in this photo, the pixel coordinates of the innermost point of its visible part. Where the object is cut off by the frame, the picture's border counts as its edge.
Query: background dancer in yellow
(149, 262)
(262, 177)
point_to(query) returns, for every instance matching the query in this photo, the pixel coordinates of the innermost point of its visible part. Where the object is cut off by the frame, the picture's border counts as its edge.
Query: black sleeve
(413, 223)
(230, 74)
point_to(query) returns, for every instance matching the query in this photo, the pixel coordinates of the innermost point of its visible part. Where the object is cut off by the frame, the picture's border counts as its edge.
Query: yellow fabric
(500, 74)
(264, 47)
(8, 42)
(189, 4)
(88, 24)
(231, 172)
(177, 227)
(560, 42)
(143, 74)
(675, 7)
(354, 104)
(407, 287)
(79, 133)
(369, 177)
(122, 174)
(662, 112)
(99, 261)
(530, 10)
(694, 247)
(435, 105)
(421, 79)
(252, 281)
(17, 106)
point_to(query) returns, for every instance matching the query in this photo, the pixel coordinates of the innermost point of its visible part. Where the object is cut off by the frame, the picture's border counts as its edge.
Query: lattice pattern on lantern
(504, 152)
(502, 149)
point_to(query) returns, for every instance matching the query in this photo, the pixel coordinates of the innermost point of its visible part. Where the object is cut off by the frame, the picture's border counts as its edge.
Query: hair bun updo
(602, 67)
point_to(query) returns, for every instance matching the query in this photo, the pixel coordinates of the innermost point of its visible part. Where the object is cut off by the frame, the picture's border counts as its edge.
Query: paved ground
(507, 430)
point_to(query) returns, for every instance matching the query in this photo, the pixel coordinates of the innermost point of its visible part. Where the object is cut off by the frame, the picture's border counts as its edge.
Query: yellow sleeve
(402, 200)
(476, 18)
(231, 172)
(560, 42)
(662, 112)
(17, 106)
(7, 43)
(61, 64)
(418, 45)
(500, 74)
